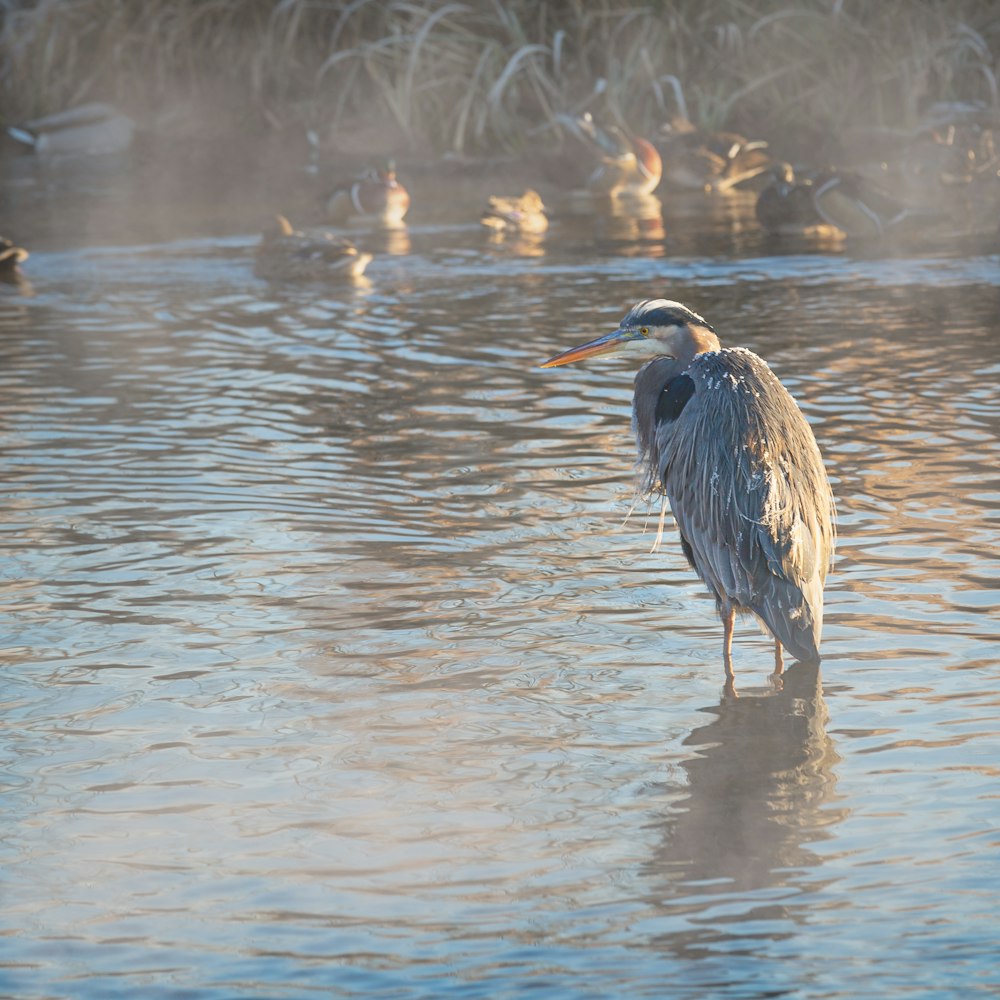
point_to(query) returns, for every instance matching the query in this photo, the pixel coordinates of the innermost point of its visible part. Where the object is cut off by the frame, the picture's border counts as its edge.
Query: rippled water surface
(332, 670)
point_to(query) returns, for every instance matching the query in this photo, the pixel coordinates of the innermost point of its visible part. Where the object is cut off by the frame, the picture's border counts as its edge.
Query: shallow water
(331, 668)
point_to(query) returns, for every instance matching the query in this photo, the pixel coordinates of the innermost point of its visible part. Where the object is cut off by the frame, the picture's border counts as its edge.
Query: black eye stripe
(665, 316)
(660, 317)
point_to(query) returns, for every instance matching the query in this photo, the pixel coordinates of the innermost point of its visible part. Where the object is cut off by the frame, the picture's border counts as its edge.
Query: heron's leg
(728, 620)
(777, 679)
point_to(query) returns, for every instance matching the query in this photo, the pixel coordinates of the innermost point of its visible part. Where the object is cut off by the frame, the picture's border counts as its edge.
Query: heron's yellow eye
(644, 330)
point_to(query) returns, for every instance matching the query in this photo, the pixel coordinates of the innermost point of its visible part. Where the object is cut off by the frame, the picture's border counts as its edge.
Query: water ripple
(331, 665)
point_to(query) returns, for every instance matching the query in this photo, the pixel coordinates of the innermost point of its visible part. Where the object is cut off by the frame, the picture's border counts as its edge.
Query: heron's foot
(729, 692)
(777, 680)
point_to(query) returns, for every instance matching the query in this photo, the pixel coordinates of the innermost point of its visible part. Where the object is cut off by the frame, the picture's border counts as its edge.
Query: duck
(951, 156)
(831, 203)
(11, 256)
(524, 214)
(376, 196)
(859, 209)
(703, 160)
(630, 166)
(286, 253)
(786, 206)
(90, 129)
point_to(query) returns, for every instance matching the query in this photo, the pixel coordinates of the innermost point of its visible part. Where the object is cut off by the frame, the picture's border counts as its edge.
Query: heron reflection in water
(724, 441)
(755, 793)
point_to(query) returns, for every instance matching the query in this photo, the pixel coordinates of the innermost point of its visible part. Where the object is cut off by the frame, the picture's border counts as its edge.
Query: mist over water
(331, 668)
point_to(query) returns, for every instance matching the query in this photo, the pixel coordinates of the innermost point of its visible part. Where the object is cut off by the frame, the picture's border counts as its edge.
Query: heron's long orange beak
(607, 344)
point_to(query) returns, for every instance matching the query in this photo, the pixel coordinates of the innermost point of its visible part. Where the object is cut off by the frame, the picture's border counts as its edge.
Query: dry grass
(474, 75)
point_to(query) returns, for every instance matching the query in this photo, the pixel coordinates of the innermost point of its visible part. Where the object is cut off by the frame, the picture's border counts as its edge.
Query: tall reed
(474, 75)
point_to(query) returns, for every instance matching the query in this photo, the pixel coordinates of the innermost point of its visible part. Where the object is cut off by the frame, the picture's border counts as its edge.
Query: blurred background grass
(480, 77)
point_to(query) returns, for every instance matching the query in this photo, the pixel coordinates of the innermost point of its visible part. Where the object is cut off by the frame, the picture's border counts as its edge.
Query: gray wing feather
(747, 487)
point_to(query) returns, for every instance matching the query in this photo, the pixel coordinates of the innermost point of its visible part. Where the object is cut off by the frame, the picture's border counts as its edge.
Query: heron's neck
(701, 341)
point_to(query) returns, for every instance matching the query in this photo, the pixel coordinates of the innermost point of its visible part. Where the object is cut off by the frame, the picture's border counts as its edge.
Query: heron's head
(653, 328)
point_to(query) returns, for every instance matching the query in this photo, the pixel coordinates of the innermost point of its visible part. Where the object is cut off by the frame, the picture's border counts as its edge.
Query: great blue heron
(721, 437)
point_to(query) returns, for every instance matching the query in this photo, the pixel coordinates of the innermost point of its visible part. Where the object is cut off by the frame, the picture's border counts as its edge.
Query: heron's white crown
(661, 313)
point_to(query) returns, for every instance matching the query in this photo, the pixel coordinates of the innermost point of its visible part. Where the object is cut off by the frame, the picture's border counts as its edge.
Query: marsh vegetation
(480, 77)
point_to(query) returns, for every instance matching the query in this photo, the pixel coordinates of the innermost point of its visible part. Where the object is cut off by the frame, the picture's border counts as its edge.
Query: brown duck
(288, 254)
